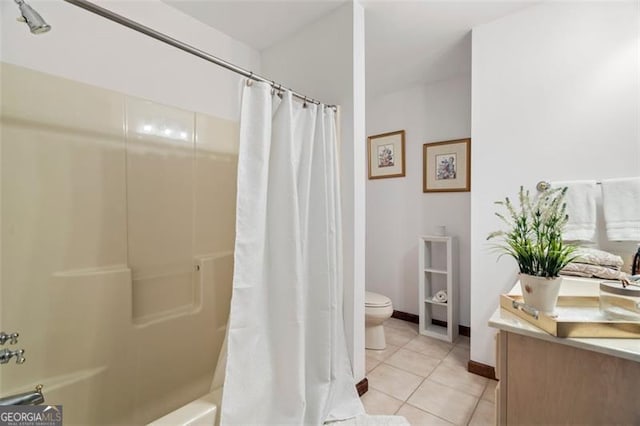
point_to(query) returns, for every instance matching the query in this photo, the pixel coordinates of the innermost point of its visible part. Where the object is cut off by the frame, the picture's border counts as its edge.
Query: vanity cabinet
(549, 380)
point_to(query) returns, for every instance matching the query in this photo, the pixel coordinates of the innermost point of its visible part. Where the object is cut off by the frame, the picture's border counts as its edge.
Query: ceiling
(260, 24)
(417, 42)
(407, 42)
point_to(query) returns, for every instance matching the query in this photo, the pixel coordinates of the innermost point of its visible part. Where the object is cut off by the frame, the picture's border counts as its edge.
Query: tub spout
(27, 398)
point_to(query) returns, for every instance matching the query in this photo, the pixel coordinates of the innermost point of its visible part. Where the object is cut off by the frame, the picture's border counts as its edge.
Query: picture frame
(386, 155)
(447, 166)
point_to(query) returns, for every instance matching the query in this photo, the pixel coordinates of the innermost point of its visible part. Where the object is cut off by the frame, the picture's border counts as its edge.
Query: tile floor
(426, 380)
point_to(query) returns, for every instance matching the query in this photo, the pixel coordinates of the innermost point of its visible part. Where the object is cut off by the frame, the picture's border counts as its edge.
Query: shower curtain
(287, 360)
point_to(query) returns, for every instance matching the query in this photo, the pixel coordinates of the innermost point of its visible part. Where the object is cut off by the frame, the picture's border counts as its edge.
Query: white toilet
(377, 309)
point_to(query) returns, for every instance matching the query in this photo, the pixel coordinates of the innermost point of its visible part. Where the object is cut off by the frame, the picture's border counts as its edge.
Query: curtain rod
(105, 13)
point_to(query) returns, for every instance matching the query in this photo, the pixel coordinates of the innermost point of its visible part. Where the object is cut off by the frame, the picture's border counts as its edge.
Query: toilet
(377, 309)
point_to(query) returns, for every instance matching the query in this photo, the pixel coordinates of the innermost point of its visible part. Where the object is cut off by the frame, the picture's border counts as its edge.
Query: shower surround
(118, 219)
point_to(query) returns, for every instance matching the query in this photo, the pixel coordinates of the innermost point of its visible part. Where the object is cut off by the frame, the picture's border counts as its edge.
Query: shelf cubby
(431, 274)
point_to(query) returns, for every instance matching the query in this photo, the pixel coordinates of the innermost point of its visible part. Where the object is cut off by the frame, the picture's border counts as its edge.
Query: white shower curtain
(287, 359)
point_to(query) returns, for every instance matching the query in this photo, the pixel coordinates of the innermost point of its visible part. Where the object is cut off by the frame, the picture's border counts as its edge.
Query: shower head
(36, 24)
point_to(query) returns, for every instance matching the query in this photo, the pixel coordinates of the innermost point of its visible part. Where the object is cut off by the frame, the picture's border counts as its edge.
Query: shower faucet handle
(12, 338)
(7, 354)
(20, 359)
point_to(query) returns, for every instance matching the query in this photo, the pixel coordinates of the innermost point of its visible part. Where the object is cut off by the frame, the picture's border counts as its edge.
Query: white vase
(540, 292)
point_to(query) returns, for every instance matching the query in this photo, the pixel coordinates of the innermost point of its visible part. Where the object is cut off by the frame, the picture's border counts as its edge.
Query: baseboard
(463, 330)
(481, 369)
(362, 386)
(405, 316)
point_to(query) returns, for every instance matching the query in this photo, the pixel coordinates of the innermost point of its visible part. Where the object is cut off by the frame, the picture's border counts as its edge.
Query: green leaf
(534, 237)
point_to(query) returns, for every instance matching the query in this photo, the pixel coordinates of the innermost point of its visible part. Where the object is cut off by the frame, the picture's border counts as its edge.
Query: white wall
(326, 61)
(556, 95)
(398, 212)
(90, 49)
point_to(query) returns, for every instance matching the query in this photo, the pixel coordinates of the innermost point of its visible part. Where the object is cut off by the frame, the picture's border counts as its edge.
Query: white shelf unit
(447, 246)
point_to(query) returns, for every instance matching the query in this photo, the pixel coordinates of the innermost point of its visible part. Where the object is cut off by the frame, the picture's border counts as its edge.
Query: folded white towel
(594, 256)
(441, 296)
(621, 203)
(581, 208)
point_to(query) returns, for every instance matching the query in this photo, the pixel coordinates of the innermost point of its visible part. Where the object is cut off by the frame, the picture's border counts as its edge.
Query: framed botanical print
(386, 155)
(447, 166)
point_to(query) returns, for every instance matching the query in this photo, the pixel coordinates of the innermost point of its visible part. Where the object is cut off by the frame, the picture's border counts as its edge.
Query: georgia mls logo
(54, 408)
(23, 415)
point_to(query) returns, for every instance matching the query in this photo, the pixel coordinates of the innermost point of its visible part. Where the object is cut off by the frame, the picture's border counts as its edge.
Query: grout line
(389, 395)
(401, 369)
(422, 353)
(405, 370)
(473, 412)
(382, 360)
(439, 363)
(414, 391)
(459, 390)
(429, 412)
(485, 390)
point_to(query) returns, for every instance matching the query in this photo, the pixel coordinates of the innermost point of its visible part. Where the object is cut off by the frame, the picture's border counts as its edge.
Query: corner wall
(326, 61)
(555, 96)
(398, 212)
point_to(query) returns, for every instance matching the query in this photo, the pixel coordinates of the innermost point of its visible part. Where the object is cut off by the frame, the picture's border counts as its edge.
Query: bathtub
(204, 411)
(200, 412)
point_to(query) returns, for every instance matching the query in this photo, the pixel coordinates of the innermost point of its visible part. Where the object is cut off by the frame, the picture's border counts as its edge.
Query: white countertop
(621, 348)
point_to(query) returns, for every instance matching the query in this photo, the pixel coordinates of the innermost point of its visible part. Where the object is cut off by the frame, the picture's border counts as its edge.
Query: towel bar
(544, 185)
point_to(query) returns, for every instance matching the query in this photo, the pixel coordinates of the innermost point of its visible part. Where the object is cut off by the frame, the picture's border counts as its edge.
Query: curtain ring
(304, 104)
(250, 79)
(273, 88)
(280, 91)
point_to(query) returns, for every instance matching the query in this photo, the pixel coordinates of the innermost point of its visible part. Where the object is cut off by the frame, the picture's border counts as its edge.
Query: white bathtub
(201, 412)
(204, 412)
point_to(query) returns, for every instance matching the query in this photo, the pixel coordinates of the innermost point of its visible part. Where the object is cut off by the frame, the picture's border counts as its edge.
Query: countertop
(621, 348)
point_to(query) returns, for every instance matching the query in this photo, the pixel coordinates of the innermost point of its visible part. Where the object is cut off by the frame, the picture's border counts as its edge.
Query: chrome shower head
(36, 24)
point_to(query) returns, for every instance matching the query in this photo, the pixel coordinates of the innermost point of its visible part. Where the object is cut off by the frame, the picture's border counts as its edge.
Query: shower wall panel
(160, 204)
(117, 230)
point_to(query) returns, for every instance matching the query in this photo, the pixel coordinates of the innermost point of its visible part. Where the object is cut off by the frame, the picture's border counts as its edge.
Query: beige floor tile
(400, 324)
(490, 391)
(417, 417)
(443, 401)
(459, 378)
(371, 362)
(428, 346)
(399, 337)
(413, 362)
(376, 402)
(463, 341)
(383, 354)
(459, 356)
(393, 381)
(484, 414)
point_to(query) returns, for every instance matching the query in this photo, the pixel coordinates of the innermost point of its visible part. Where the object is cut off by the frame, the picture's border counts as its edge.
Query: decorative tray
(575, 316)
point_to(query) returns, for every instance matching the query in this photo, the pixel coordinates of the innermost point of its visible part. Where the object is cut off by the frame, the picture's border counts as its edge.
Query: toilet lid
(375, 299)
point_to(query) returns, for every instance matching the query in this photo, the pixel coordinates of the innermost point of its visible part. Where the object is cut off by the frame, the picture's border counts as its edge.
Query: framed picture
(386, 155)
(447, 166)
